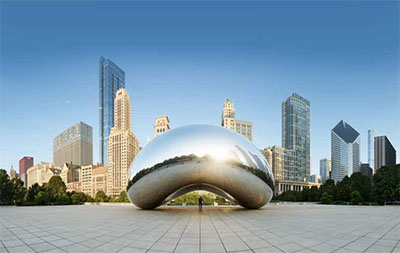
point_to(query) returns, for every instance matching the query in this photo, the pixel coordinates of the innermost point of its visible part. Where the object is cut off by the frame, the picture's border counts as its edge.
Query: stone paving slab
(274, 228)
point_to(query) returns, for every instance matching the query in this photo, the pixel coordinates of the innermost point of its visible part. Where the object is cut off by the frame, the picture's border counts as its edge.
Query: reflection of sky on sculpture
(219, 143)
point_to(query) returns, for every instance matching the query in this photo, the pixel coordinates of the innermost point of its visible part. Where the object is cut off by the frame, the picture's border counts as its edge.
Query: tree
(386, 184)
(6, 188)
(329, 187)
(42, 198)
(123, 197)
(356, 198)
(362, 184)
(18, 192)
(56, 188)
(32, 192)
(101, 197)
(343, 189)
(326, 198)
(78, 198)
(314, 194)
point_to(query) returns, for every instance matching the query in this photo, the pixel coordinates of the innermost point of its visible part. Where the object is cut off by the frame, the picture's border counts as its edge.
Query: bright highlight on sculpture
(200, 157)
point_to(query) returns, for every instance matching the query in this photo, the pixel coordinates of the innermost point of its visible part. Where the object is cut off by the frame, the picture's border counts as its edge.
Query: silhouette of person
(200, 202)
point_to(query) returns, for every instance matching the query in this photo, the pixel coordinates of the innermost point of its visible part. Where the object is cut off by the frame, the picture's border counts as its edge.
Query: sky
(183, 59)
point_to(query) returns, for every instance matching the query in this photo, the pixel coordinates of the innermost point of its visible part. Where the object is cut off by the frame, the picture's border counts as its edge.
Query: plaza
(274, 228)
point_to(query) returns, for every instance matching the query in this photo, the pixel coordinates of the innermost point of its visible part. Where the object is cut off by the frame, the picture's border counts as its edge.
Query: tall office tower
(111, 79)
(24, 164)
(371, 155)
(281, 160)
(122, 145)
(385, 154)
(296, 133)
(161, 126)
(345, 151)
(278, 162)
(229, 121)
(74, 145)
(324, 169)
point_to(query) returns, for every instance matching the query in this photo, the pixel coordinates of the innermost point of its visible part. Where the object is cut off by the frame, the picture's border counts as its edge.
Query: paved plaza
(275, 228)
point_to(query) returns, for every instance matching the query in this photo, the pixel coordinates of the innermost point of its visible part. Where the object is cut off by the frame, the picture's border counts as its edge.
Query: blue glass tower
(111, 78)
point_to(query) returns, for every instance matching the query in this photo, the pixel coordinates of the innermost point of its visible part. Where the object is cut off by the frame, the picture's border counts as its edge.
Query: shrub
(356, 198)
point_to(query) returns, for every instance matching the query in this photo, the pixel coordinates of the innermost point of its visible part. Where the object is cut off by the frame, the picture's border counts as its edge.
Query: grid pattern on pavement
(275, 228)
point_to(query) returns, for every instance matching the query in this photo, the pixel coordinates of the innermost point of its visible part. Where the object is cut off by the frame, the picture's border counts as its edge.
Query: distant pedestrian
(200, 203)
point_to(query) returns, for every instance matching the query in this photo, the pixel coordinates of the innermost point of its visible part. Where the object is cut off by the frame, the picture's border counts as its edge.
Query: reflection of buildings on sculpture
(93, 179)
(229, 121)
(123, 145)
(161, 126)
(41, 173)
(287, 185)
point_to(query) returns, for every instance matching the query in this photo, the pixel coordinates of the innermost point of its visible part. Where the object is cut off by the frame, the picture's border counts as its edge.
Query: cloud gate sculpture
(200, 157)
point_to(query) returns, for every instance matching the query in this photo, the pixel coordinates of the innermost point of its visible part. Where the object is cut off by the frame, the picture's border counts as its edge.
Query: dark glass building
(385, 154)
(296, 135)
(365, 169)
(111, 78)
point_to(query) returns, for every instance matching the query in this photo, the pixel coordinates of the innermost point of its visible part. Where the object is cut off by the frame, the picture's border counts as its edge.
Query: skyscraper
(74, 145)
(345, 151)
(229, 121)
(123, 145)
(385, 154)
(111, 79)
(161, 126)
(296, 133)
(324, 169)
(24, 164)
(371, 154)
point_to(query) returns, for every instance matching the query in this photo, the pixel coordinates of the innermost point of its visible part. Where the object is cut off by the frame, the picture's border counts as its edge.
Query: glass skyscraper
(111, 78)
(371, 155)
(345, 151)
(296, 134)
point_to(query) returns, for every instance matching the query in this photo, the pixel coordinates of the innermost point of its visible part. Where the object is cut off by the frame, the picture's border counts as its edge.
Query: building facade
(325, 169)
(161, 126)
(315, 178)
(74, 145)
(288, 185)
(111, 79)
(41, 173)
(296, 133)
(345, 151)
(385, 154)
(24, 164)
(371, 153)
(282, 162)
(229, 121)
(123, 145)
(13, 173)
(267, 152)
(99, 180)
(70, 173)
(86, 178)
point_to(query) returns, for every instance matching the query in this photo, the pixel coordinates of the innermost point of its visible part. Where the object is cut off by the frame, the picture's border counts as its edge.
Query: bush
(356, 198)
(326, 198)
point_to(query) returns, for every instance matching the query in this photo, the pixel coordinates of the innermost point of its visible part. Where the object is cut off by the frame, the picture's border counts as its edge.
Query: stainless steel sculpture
(200, 157)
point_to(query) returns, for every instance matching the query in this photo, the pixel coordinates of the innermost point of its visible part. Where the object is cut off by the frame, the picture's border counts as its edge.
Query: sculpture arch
(200, 157)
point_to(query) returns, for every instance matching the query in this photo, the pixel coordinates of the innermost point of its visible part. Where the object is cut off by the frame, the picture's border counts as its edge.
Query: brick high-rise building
(123, 145)
(24, 164)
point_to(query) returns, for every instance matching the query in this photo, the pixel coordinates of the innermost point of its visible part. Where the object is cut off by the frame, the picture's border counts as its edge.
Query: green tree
(6, 188)
(326, 198)
(78, 198)
(343, 189)
(101, 197)
(356, 198)
(32, 192)
(123, 197)
(56, 188)
(362, 184)
(386, 184)
(220, 200)
(314, 194)
(329, 187)
(18, 191)
(42, 198)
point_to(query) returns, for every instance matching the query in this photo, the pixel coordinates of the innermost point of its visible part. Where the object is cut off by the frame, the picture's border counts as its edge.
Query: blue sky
(184, 59)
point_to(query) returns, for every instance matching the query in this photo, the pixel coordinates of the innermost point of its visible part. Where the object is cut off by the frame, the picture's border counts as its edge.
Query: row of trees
(356, 189)
(13, 192)
(192, 198)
